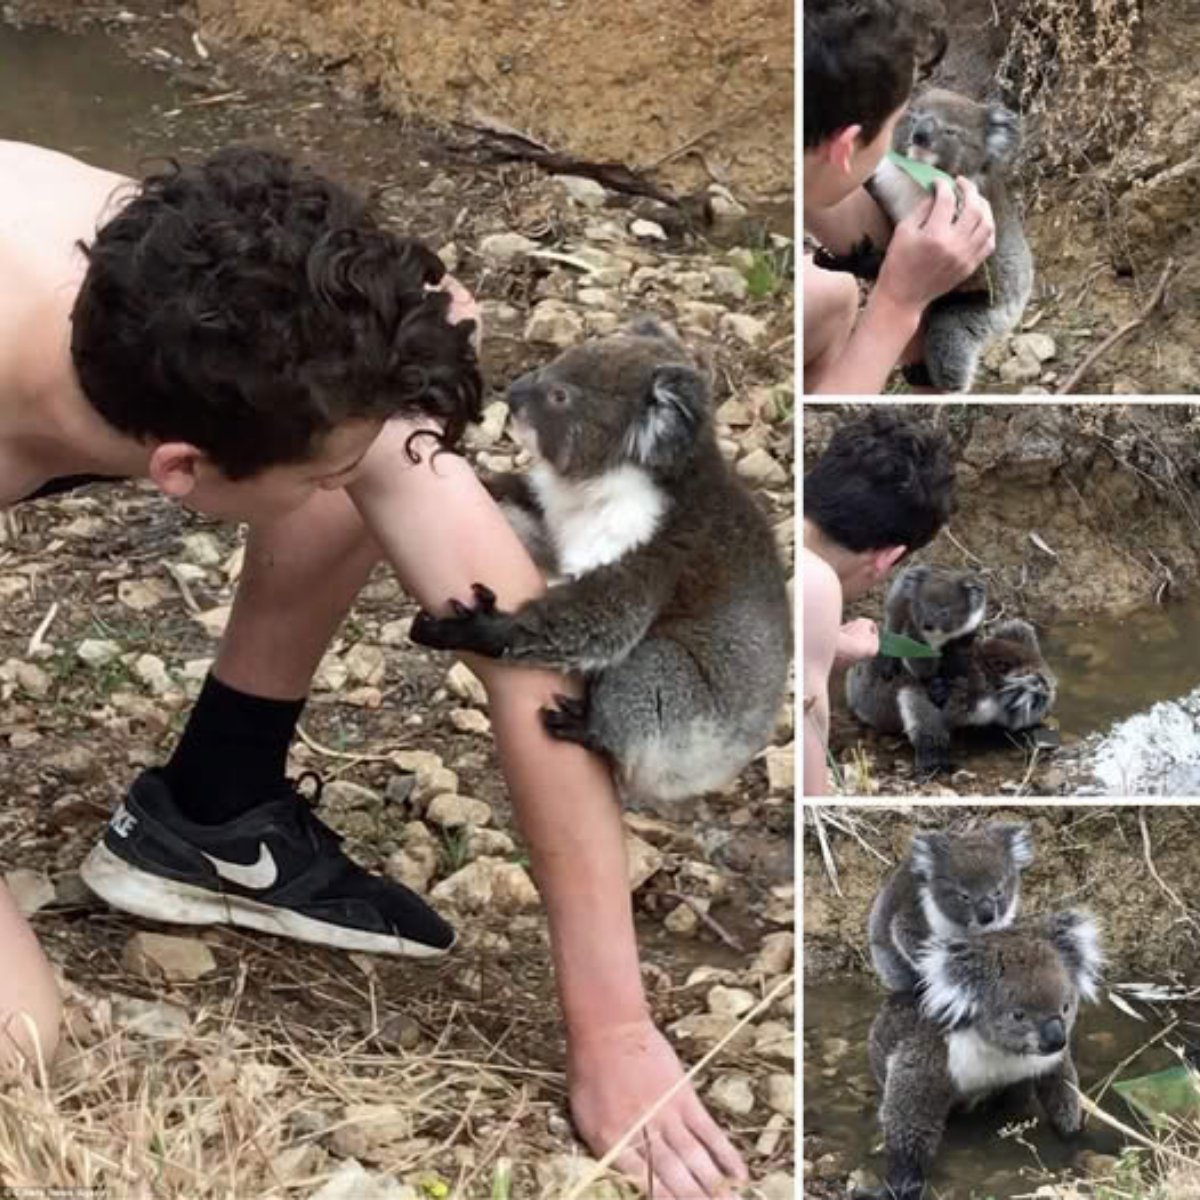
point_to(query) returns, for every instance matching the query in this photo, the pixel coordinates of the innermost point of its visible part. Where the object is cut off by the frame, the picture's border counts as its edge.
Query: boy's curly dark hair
(249, 306)
(883, 480)
(862, 59)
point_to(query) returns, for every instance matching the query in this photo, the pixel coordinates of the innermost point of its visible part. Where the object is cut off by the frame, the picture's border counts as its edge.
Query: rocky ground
(239, 1065)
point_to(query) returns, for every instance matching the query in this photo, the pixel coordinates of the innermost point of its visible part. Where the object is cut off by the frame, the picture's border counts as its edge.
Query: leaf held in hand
(923, 173)
(896, 645)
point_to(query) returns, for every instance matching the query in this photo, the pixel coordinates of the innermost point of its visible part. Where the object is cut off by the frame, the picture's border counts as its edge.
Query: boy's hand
(856, 640)
(933, 250)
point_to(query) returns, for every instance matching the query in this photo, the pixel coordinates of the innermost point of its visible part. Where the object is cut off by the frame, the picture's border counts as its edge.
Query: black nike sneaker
(276, 868)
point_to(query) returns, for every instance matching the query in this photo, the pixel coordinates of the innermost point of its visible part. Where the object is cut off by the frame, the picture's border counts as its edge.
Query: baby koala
(670, 596)
(952, 883)
(993, 1010)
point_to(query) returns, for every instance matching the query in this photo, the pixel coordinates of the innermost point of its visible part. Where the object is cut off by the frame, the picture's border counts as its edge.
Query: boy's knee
(830, 310)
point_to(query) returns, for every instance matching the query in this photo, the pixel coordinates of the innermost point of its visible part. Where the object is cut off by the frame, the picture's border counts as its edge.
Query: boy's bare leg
(27, 985)
(830, 310)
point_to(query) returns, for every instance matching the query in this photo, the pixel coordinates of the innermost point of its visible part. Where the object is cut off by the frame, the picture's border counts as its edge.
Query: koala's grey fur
(961, 137)
(953, 883)
(673, 601)
(1001, 679)
(993, 1010)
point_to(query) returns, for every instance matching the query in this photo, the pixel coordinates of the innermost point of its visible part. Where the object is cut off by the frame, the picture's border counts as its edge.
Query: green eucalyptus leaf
(896, 645)
(923, 173)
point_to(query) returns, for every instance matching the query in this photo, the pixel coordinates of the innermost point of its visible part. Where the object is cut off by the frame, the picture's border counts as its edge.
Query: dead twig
(1109, 342)
(709, 922)
(326, 752)
(1166, 889)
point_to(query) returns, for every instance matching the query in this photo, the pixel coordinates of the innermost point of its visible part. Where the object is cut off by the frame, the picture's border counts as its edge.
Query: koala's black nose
(521, 391)
(922, 134)
(1052, 1036)
(985, 912)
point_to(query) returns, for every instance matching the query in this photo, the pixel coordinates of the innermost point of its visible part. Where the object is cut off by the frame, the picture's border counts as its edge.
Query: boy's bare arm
(822, 619)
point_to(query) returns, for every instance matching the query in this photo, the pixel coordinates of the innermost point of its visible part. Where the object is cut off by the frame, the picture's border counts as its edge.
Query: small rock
(506, 247)
(1039, 345)
(395, 633)
(155, 956)
(352, 1182)
(745, 329)
(490, 885)
(76, 763)
(683, 919)
(562, 1174)
(367, 1129)
(694, 314)
(733, 1094)
(759, 467)
(587, 193)
(414, 865)
(553, 324)
(31, 890)
(202, 549)
(365, 664)
(730, 1002)
(735, 412)
(780, 1094)
(648, 231)
(777, 955)
(348, 796)
(781, 768)
(489, 843)
(151, 1018)
(779, 1185)
(728, 283)
(32, 679)
(642, 858)
(466, 685)
(595, 297)
(432, 774)
(705, 1030)
(470, 720)
(775, 1040)
(152, 671)
(452, 811)
(214, 620)
(97, 652)
(138, 595)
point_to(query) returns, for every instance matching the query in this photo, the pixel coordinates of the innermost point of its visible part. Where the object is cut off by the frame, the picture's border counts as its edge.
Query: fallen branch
(505, 144)
(1109, 342)
(710, 922)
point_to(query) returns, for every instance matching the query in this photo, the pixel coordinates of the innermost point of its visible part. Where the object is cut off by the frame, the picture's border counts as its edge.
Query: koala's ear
(1002, 135)
(912, 579)
(652, 327)
(675, 409)
(954, 975)
(1076, 937)
(976, 591)
(926, 847)
(1017, 838)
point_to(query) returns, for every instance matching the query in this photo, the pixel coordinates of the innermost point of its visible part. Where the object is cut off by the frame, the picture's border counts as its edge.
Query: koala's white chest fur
(977, 1067)
(598, 521)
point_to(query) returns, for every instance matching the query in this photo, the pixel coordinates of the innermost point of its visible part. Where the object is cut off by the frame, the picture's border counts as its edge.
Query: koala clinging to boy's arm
(673, 602)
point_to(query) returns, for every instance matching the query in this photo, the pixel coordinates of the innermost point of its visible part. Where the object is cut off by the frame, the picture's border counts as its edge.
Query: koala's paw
(567, 720)
(938, 690)
(931, 760)
(481, 629)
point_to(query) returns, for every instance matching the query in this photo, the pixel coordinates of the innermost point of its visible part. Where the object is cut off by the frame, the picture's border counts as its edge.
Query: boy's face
(275, 492)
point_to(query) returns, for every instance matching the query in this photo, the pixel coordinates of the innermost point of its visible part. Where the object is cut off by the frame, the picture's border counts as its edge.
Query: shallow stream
(975, 1161)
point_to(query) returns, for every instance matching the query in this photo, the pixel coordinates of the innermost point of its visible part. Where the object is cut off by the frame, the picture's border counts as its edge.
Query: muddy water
(77, 93)
(841, 1098)
(1111, 668)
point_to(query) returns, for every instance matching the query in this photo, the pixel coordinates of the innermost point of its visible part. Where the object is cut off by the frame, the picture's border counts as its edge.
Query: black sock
(232, 755)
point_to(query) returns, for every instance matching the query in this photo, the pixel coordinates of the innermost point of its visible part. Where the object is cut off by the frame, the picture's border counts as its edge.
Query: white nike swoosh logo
(258, 875)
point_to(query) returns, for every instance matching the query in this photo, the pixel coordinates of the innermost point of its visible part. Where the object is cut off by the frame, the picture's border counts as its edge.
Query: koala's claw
(568, 720)
(467, 628)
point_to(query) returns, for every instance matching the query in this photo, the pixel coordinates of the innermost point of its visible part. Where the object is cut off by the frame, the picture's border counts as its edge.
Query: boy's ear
(842, 146)
(174, 467)
(887, 558)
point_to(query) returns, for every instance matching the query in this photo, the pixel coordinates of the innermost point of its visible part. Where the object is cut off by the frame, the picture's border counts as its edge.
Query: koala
(992, 1010)
(672, 600)
(953, 883)
(961, 137)
(1001, 679)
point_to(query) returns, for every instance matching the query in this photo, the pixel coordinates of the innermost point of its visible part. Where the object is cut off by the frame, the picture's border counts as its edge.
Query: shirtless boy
(244, 334)
(882, 489)
(860, 60)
